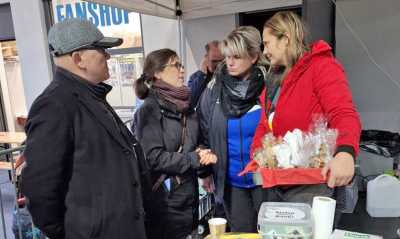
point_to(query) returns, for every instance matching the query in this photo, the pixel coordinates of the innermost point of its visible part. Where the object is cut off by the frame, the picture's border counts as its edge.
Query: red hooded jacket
(316, 85)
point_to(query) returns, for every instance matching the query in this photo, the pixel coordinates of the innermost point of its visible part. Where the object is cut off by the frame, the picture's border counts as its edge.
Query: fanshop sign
(110, 20)
(99, 14)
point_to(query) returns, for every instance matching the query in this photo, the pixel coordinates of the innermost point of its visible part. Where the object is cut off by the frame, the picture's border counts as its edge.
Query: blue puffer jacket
(240, 136)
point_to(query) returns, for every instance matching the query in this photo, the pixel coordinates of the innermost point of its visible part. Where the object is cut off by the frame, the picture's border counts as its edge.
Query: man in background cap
(85, 173)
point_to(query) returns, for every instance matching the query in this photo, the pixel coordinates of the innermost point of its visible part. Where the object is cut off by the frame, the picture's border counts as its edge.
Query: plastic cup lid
(217, 221)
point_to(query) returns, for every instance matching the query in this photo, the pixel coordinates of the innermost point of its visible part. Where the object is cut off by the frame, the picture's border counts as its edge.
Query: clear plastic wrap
(298, 149)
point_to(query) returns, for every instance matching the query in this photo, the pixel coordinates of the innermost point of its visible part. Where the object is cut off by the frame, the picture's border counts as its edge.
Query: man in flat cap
(86, 175)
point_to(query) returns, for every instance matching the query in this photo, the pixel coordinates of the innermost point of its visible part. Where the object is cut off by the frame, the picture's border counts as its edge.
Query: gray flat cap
(74, 34)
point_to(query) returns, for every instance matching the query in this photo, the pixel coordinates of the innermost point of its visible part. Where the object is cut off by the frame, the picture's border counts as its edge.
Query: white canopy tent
(196, 8)
(184, 11)
(375, 91)
(361, 70)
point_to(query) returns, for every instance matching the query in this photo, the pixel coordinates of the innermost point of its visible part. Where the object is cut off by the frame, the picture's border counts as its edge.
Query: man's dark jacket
(197, 83)
(85, 172)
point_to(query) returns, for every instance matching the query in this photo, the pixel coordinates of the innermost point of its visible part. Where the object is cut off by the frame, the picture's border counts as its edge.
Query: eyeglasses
(178, 65)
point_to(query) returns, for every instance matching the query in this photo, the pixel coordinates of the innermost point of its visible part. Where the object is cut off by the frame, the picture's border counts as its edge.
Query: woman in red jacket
(312, 83)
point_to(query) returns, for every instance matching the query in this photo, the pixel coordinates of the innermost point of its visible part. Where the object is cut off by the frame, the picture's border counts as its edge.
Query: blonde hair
(244, 42)
(289, 24)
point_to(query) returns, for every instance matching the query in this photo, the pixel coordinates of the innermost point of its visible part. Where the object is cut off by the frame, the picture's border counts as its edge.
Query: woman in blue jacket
(229, 112)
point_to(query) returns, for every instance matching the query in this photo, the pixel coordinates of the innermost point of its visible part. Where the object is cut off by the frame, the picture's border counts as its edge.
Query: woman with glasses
(229, 113)
(169, 134)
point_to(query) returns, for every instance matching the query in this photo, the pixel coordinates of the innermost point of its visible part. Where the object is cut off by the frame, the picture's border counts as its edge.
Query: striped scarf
(180, 97)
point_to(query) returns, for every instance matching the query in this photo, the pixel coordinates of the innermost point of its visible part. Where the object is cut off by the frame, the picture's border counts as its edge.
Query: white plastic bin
(383, 196)
(279, 220)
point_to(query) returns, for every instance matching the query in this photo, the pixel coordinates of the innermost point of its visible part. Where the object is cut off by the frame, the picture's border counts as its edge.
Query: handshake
(206, 156)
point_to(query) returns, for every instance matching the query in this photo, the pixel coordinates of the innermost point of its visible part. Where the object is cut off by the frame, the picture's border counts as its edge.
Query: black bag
(380, 142)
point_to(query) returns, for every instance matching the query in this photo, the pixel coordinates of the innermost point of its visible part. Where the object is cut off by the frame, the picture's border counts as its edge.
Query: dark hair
(154, 63)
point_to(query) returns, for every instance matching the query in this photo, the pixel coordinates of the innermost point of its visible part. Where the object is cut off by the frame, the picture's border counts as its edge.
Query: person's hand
(204, 65)
(340, 170)
(208, 184)
(206, 157)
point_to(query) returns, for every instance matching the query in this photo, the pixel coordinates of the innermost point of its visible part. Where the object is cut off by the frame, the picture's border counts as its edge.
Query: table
(18, 161)
(360, 221)
(233, 235)
(12, 137)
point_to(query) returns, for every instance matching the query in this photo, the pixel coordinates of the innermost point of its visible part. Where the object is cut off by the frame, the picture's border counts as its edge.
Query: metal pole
(11, 150)
(181, 34)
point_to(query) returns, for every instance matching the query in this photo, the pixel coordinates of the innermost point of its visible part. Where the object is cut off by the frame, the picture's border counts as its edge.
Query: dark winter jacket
(85, 173)
(197, 83)
(159, 129)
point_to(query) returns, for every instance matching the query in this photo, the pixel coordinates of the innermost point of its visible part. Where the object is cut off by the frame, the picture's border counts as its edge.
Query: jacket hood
(320, 47)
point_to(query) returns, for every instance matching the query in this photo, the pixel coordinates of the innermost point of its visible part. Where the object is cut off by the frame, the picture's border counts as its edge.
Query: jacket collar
(90, 101)
(100, 90)
(319, 48)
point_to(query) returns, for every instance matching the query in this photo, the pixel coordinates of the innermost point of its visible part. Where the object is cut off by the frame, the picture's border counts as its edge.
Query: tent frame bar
(161, 5)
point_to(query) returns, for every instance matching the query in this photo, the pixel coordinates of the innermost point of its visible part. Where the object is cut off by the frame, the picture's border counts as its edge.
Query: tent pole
(180, 47)
(181, 41)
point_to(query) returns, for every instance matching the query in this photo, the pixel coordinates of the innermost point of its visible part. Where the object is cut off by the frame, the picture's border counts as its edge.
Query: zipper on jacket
(241, 148)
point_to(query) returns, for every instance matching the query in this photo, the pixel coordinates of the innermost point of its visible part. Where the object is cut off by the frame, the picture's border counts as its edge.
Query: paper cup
(217, 227)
